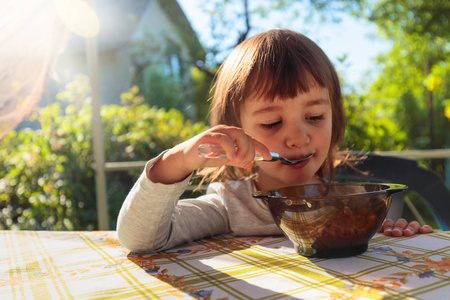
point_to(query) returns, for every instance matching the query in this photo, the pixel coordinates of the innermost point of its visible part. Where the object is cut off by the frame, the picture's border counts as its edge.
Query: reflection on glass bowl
(330, 220)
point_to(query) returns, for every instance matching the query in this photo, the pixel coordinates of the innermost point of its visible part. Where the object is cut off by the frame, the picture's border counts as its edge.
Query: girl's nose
(297, 137)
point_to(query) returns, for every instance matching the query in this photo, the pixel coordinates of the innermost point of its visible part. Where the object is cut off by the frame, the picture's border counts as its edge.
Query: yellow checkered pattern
(93, 265)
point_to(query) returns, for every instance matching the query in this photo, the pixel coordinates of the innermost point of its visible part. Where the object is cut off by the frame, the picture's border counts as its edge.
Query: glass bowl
(330, 220)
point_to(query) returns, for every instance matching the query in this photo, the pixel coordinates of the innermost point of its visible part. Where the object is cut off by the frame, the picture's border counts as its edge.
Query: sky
(357, 39)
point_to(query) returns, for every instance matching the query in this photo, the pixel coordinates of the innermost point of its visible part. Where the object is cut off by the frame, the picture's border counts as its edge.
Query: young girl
(277, 92)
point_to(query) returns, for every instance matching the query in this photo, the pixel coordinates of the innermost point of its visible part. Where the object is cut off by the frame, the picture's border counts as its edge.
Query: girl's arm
(152, 218)
(178, 163)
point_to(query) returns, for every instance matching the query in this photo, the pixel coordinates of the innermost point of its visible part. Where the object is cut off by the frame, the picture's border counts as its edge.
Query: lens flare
(78, 17)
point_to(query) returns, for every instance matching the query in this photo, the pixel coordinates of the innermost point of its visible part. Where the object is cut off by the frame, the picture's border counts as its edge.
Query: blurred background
(90, 90)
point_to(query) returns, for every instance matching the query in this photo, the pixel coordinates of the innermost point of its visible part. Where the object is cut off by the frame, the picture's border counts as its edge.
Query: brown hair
(275, 63)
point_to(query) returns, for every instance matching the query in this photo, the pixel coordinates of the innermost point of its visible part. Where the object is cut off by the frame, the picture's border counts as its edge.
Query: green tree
(419, 57)
(416, 69)
(369, 127)
(47, 176)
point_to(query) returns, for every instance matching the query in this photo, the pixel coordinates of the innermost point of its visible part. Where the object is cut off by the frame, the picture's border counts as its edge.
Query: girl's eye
(271, 125)
(316, 118)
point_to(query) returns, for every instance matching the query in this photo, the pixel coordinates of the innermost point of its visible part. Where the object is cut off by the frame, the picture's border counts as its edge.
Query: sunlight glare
(78, 17)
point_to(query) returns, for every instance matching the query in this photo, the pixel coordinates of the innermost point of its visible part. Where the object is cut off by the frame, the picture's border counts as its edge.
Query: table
(93, 265)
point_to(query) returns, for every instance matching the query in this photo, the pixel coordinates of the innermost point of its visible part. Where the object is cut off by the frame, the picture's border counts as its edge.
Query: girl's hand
(402, 228)
(240, 148)
(180, 161)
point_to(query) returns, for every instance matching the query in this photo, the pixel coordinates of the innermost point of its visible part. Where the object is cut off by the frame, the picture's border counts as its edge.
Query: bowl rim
(390, 188)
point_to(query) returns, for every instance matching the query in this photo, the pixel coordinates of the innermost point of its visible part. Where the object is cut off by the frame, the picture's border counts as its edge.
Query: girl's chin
(297, 178)
(286, 176)
(276, 183)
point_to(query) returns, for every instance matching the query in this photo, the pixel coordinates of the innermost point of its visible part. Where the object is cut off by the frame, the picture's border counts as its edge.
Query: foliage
(162, 73)
(47, 176)
(160, 87)
(416, 70)
(202, 87)
(370, 126)
(429, 19)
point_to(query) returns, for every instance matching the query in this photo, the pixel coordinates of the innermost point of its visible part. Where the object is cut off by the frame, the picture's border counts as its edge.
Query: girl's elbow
(133, 245)
(132, 242)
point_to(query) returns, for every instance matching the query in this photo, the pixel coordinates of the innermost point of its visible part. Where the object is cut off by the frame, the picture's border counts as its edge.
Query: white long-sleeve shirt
(152, 217)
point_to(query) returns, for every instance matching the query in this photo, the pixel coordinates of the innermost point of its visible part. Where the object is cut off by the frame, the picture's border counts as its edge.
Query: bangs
(284, 70)
(282, 83)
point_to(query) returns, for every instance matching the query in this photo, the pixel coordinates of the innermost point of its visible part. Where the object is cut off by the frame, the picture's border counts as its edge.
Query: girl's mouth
(302, 164)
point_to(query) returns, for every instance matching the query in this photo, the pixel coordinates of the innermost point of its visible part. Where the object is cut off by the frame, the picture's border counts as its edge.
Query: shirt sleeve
(152, 218)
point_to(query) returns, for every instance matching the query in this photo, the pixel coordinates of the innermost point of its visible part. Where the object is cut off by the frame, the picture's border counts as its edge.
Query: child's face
(294, 128)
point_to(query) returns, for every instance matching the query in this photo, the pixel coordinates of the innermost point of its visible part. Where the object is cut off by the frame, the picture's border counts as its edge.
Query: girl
(278, 92)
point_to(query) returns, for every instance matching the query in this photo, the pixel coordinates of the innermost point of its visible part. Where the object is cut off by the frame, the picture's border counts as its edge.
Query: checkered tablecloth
(93, 265)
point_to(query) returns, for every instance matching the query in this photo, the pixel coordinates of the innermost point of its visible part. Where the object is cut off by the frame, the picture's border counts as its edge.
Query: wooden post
(97, 136)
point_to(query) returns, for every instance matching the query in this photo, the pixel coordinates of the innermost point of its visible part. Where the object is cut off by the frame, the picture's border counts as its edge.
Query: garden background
(47, 169)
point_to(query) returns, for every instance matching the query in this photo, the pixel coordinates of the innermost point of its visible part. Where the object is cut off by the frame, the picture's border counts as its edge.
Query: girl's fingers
(228, 143)
(239, 147)
(245, 153)
(403, 228)
(245, 148)
(400, 225)
(262, 149)
(387, 227)
(411, 229)
(425, 229)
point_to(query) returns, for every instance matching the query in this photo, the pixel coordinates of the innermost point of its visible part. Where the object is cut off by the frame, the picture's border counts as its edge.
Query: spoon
(215, 151)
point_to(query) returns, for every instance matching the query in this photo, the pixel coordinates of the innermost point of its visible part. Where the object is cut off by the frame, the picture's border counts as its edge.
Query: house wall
(161, 29)
(115, 66)
(163, 39)
(115, 72)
